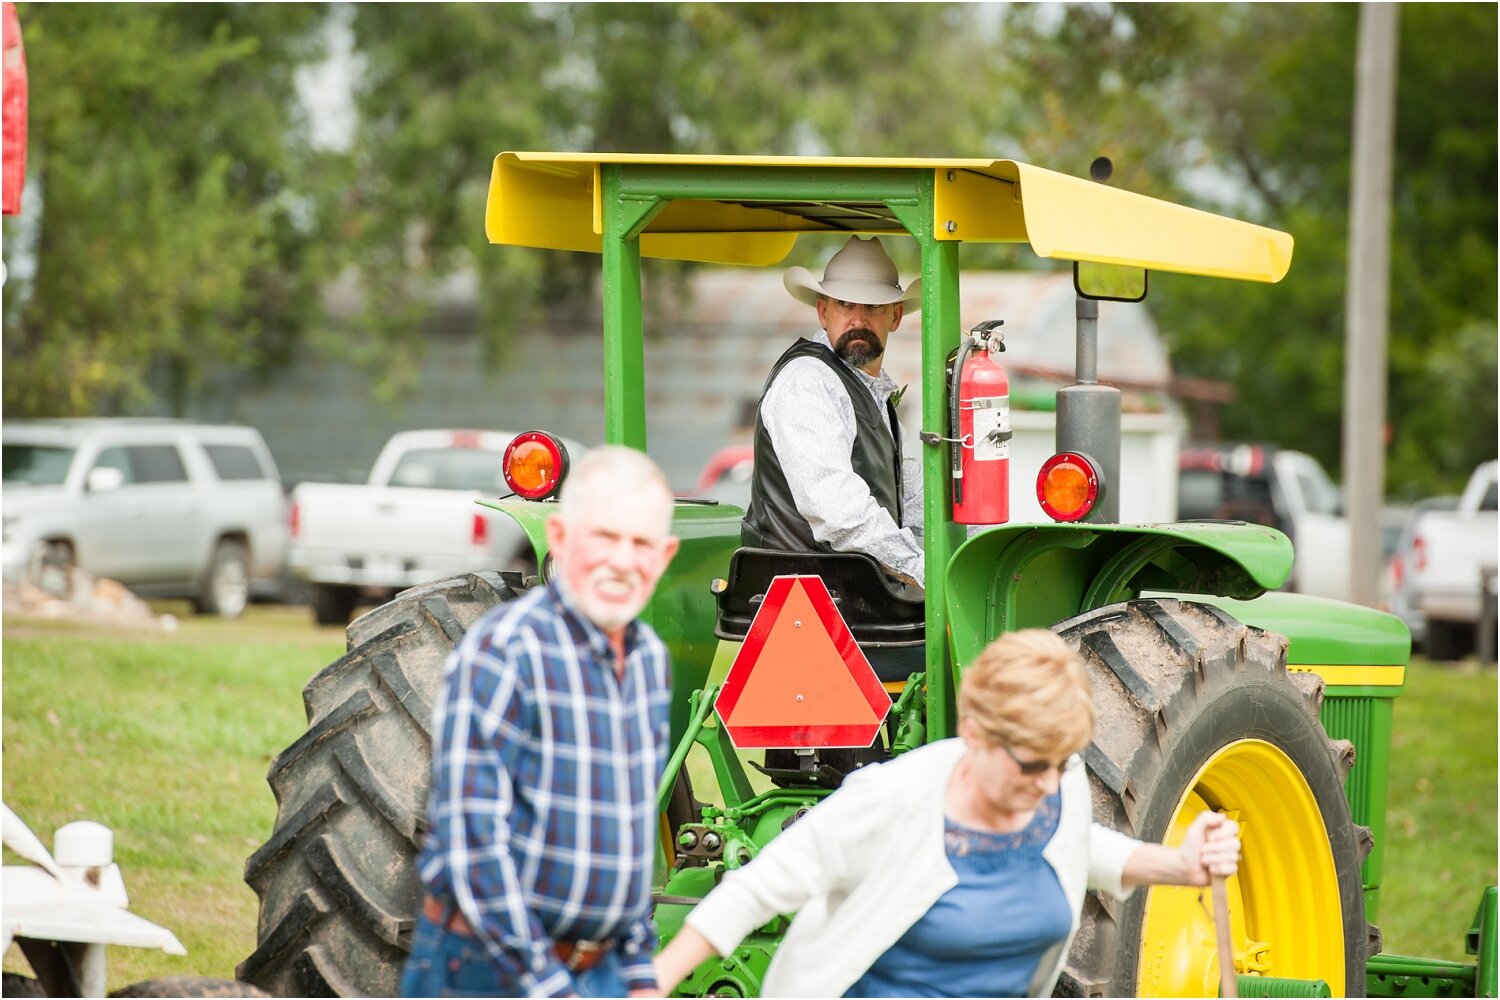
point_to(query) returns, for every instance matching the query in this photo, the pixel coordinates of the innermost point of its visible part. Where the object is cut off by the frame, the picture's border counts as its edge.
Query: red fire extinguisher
(979, 418)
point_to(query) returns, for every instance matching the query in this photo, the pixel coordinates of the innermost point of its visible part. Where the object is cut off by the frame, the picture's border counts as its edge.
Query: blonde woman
(958, 869)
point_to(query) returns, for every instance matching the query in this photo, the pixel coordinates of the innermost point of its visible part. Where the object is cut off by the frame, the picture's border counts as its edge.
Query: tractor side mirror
(1110, 282)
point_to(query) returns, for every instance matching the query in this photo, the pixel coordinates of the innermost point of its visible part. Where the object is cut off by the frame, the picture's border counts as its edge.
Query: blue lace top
(986, 935)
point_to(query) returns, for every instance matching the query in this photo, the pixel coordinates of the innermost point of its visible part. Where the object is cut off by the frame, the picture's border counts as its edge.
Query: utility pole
(1366, 306)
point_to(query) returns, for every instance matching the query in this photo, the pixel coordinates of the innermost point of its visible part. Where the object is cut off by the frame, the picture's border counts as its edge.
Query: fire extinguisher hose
(956, 464)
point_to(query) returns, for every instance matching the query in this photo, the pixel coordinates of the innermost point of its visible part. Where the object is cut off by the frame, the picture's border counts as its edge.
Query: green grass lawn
(166, 738)
(1441, 819)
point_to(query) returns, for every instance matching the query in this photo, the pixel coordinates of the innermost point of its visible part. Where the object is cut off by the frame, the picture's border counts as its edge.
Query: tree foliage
(172, 236)
(448, 86)
(186, 226)
(1442, 358)
(1249, 109)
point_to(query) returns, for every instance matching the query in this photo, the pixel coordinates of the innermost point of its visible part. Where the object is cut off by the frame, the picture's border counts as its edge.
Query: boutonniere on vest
(896, 396)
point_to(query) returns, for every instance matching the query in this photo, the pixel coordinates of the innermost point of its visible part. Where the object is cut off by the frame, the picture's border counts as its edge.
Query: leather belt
(581, 956)
(578, 956)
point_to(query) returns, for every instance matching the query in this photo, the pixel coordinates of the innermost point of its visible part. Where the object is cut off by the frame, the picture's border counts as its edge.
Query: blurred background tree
(1282, 119)
(445, 87)
(172, 203)
(1247, 109)
(186, 222)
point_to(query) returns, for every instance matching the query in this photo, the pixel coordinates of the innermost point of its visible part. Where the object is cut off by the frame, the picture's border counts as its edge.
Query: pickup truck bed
(387, 537)
(414, 521)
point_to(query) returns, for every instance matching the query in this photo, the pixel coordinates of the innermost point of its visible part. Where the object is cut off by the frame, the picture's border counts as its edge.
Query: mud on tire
(1175, 683)
(337, 879)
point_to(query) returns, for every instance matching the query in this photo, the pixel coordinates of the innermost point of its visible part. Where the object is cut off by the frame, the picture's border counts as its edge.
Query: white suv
(166, 507)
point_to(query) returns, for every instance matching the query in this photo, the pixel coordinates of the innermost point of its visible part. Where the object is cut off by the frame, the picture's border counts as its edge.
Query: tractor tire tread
(13, 984)
(337, 877)
(1156, 665)
(189, 986)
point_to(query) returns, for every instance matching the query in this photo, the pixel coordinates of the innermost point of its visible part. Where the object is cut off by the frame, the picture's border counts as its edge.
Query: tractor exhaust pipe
(1088, 415)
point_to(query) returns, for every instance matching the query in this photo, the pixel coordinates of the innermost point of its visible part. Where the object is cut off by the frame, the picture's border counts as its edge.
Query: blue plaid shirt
(543, 802)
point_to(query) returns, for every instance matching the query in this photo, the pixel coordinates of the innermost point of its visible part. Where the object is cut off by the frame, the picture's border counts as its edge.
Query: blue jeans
(445, 964)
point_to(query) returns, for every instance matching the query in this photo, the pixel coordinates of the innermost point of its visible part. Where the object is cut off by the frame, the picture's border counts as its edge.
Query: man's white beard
(608, 617)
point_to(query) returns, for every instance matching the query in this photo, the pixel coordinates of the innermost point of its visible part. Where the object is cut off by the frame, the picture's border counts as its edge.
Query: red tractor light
(535, 464)
(1068, 486)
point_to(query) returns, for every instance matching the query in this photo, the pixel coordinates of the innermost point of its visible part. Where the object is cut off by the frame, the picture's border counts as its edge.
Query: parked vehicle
(1212, 691)
(1286, 490)
(1395, 588)
(726, 476)
(1442, 575)
(168, 508)
(413, 521)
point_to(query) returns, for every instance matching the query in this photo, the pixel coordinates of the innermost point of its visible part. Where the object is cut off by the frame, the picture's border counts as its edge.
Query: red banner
(14, 105)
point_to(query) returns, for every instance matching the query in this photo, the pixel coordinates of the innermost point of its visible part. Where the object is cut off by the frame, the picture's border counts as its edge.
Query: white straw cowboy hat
(861, 272)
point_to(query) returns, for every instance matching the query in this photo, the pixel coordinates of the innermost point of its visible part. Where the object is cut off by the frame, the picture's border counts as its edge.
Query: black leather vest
(771, 519)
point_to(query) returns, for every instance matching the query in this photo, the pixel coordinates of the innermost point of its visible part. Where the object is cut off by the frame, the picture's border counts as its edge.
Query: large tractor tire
(189, 986)
(337, 879)
(1197, 711)
(13, 984)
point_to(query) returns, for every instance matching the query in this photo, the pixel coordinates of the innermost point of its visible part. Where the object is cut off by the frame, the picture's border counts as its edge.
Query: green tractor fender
(532, 516)
(682, 610)
(1033, 576)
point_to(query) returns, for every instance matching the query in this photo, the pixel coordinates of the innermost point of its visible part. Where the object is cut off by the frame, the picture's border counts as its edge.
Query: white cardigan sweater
(869, 862)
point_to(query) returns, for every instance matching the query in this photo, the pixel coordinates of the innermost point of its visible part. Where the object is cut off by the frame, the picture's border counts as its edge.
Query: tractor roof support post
(624, 217)
(940, 332)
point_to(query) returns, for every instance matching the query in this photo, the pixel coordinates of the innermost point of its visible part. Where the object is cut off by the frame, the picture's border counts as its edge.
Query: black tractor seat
(887, 618)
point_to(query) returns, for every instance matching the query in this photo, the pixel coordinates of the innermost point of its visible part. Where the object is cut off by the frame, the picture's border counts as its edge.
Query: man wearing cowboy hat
(828, 467)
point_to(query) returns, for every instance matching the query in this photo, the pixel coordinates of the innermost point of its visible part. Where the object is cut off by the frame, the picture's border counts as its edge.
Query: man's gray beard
(858, 351)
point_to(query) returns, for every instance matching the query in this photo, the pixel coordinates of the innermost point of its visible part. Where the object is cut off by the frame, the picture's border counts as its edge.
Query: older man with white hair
(549, 736)
(828, 473)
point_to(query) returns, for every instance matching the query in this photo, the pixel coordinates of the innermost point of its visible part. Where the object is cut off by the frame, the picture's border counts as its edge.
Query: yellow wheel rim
(1285, 916)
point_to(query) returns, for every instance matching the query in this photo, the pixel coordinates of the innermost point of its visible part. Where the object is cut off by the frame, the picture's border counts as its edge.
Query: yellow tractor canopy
(554, 201)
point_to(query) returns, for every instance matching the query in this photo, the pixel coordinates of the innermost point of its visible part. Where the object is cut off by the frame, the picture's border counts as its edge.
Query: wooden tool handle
(1228, 985)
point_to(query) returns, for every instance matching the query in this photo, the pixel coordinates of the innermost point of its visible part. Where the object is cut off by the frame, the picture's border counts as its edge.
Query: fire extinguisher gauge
(1068, 486)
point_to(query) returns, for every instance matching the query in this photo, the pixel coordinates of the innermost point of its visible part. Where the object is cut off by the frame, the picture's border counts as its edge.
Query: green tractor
(1214, 690)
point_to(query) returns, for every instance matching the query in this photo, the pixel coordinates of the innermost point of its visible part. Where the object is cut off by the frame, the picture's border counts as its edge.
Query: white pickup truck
(1287, 490)
(413, 521)
(1452, 553)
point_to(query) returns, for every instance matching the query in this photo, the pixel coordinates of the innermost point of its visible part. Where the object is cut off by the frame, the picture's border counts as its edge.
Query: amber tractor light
(1068, 486)
(535, 465)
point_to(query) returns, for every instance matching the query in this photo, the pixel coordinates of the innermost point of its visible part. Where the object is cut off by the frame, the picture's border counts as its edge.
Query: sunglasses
(1036, 768)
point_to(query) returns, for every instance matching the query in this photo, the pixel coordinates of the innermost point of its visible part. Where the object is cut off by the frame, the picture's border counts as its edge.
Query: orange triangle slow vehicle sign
(800, 679)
